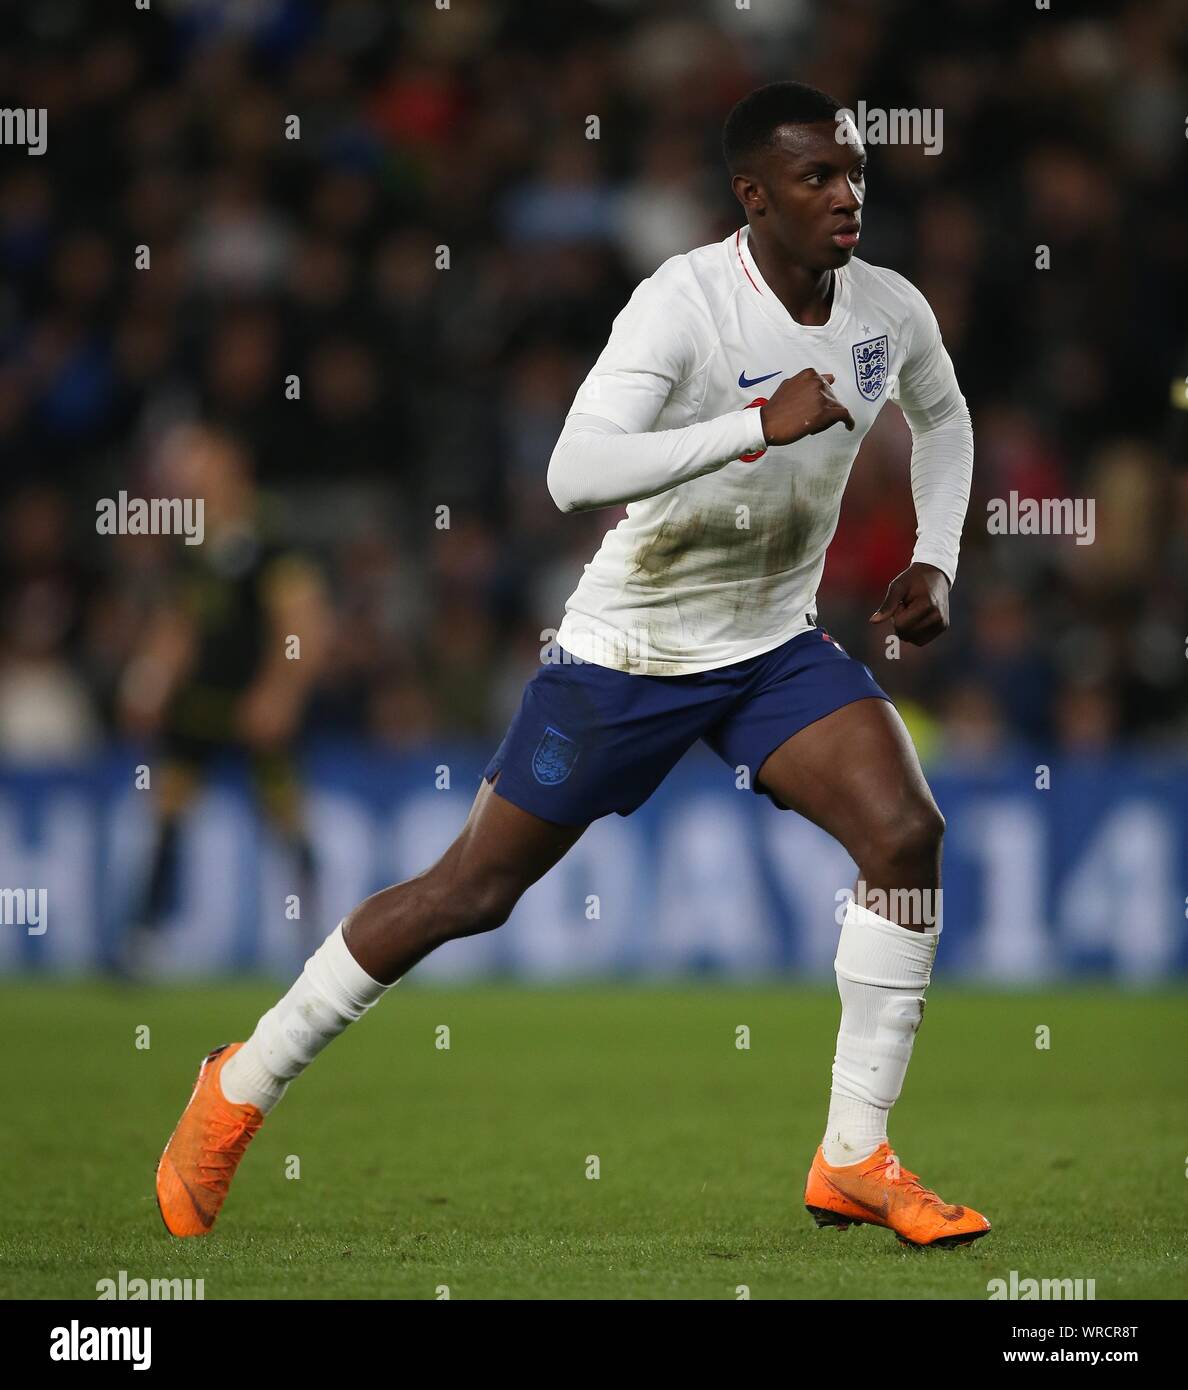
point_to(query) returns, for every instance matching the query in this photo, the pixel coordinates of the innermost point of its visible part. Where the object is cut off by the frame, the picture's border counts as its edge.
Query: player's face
(810, 188)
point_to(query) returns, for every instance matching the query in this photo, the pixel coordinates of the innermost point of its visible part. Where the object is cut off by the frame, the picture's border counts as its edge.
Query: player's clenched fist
(917, 603)
(802, 405)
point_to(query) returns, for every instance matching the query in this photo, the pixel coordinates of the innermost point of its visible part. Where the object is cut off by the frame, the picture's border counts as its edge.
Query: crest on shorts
(870, 367)
(554, 757)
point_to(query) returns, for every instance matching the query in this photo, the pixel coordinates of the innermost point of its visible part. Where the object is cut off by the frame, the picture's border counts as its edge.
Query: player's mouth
(847, 236)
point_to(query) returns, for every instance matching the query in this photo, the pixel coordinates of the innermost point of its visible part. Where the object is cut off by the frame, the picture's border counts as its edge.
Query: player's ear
(749, 193)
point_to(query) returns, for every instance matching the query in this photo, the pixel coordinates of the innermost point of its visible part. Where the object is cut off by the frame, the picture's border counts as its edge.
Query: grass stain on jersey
(674, 538)
(754, 552)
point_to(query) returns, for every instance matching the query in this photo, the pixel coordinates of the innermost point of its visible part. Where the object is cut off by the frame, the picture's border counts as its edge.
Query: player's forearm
(157, 668)
(596, 464)
(942, 470)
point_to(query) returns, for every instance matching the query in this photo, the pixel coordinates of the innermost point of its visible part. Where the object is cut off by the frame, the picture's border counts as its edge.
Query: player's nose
(846, 200)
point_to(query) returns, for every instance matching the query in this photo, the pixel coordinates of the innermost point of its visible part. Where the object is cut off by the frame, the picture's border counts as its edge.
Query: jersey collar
(755, 285)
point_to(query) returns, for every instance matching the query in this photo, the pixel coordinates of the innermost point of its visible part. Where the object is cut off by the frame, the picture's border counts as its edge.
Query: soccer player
(695, 620)
(211, 674)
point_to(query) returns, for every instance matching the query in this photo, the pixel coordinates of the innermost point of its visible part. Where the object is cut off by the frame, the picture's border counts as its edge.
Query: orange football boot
(203, 1152)
(878, 1192)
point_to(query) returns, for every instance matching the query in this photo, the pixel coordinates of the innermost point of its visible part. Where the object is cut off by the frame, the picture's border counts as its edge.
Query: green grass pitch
(422, 1167)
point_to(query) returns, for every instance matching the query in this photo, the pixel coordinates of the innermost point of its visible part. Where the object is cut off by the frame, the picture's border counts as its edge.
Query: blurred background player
(216, 674)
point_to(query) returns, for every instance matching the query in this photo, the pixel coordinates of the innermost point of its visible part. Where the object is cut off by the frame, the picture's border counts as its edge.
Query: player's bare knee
(911, 842)
(919, 831)
(488, 905)
(919, 834)
(471, 903)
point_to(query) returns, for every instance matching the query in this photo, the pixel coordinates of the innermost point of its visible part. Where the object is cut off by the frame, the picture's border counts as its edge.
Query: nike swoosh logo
(746, 383)
(880, 1210)
(200, 1210)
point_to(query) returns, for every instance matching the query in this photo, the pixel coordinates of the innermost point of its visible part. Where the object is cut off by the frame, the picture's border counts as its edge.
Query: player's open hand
(917, 603)
(802, 405)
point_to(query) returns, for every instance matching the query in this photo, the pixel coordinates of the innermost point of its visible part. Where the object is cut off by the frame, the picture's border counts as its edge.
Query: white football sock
(332, 991)
(882, 973)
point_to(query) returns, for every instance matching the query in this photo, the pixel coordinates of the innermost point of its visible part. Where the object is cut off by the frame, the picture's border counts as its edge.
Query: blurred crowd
(436, 258)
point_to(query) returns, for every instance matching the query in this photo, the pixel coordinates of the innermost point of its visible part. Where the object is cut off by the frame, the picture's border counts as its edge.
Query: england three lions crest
(554, 758)
(870, 367)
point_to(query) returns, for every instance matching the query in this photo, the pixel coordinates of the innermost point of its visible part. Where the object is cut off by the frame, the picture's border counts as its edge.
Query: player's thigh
(855, 773)
(502, 849)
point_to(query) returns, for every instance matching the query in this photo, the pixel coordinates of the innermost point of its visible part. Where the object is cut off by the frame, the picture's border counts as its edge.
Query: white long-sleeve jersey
(721, 552)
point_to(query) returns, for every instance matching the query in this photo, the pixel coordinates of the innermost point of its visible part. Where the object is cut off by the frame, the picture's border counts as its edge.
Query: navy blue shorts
(588, 740)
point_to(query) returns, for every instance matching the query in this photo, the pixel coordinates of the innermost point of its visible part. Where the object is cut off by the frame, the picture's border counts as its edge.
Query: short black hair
(750, 126)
